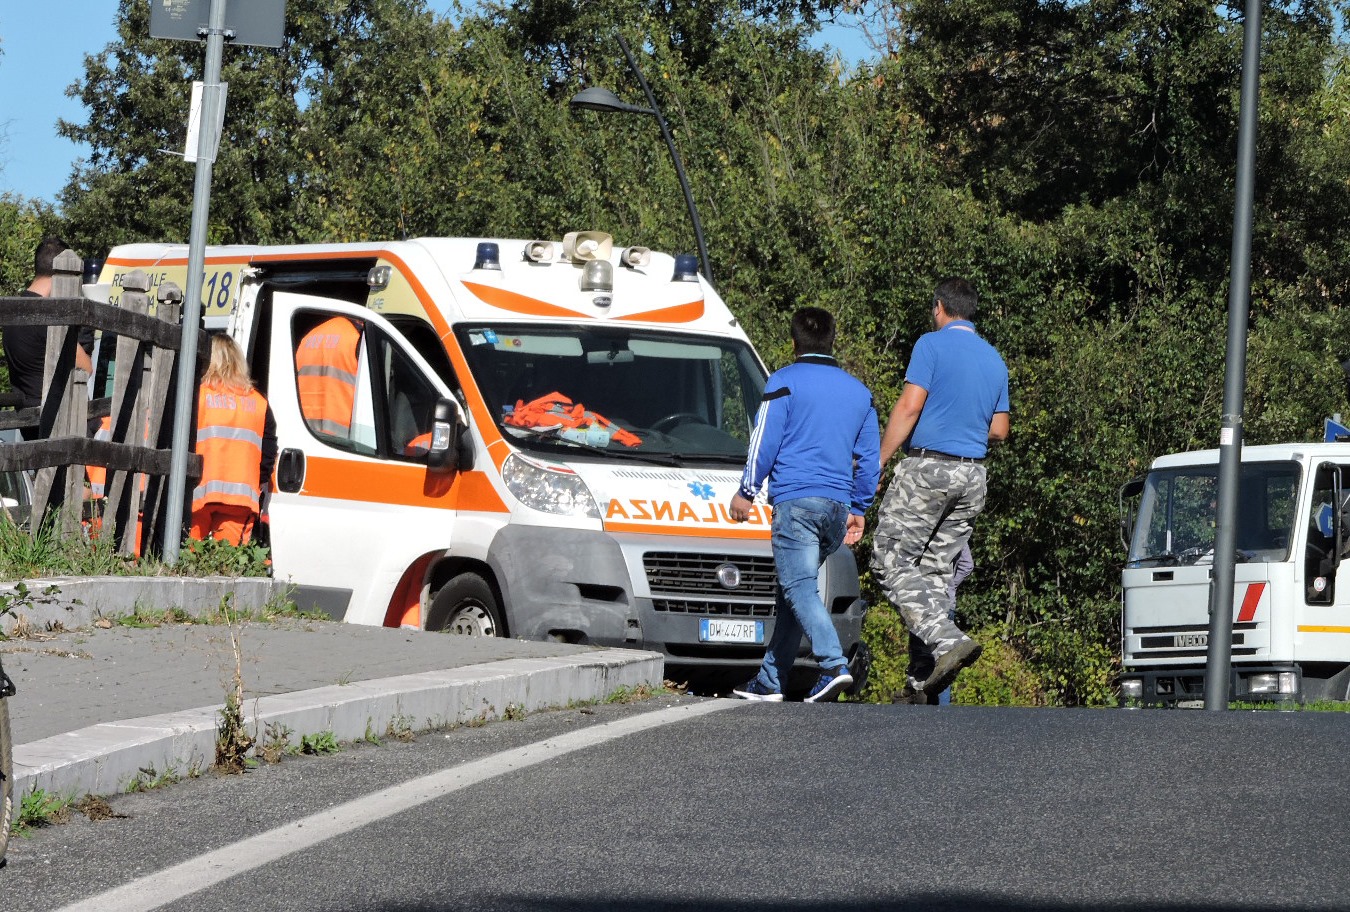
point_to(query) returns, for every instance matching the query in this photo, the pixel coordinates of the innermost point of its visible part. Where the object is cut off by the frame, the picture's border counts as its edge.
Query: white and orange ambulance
(546, 435)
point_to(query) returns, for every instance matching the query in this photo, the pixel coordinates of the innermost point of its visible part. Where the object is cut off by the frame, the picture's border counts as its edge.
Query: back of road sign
(256, 22)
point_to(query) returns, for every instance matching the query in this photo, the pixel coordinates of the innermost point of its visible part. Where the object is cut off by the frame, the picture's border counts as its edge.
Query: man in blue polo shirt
(815, 443)
(954, 403)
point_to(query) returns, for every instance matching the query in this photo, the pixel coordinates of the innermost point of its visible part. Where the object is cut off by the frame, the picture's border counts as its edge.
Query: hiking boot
(757, 691)
(949, 664)
(830, 685)
(912, 694)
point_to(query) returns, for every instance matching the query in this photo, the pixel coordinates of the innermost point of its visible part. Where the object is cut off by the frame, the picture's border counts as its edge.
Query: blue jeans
(805, 532)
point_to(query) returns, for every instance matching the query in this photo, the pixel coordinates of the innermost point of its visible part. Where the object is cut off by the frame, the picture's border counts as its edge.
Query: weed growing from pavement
(276, 742)
(634, 694)
(370, 737)
(148, 778)
(232, 740)
(400, 728)
(322, 743)
(515, 712)
(41, 808)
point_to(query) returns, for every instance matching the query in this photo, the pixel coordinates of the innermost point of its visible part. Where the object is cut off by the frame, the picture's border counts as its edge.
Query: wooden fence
(138, 456)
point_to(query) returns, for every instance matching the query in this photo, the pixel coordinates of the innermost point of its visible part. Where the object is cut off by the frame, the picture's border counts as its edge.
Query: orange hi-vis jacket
(98, 475)
(230, 429)
(556, 410)
(326, 365)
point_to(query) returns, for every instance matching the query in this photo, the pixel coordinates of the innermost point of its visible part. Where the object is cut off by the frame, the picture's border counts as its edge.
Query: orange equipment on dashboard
(555, 410)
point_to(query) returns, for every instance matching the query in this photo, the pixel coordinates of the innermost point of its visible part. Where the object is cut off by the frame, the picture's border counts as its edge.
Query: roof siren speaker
(581, 246)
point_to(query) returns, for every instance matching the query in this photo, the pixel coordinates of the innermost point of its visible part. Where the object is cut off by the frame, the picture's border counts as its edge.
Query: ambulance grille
(678, 574)
(715, 609)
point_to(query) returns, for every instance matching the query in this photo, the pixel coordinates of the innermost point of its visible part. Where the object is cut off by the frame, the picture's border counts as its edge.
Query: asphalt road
(683, 804)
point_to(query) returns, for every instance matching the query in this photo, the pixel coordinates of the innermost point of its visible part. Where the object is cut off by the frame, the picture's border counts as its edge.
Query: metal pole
(674, 156)
(1219, 657)
(192, 299)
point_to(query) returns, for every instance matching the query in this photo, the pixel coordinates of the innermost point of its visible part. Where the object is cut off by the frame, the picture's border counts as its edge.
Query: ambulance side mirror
(451, 448)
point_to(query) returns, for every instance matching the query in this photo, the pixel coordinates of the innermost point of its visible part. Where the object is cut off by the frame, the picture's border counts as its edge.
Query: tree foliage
(1074, 159)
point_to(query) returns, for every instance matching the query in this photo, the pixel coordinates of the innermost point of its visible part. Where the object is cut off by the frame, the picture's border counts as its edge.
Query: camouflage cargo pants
(925, 519)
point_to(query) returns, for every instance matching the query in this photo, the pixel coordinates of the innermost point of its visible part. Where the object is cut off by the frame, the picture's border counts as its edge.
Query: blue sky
(36, 68)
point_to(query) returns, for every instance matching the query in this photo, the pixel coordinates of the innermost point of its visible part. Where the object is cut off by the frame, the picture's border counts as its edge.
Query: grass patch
(636, 694)
(24, 555)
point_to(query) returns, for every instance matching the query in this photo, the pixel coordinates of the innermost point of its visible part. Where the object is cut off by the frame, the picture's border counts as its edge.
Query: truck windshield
(624, 392)
(1178, 511)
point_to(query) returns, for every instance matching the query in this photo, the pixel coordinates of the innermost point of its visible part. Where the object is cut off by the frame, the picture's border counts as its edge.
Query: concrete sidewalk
(99, 705)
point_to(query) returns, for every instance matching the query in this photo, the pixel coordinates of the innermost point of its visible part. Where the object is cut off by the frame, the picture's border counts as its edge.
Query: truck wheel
(469, 607)
(6, 780)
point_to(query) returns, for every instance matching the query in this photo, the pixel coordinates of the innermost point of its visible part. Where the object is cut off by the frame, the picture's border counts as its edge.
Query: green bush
(1004, 675)
(1001, 677)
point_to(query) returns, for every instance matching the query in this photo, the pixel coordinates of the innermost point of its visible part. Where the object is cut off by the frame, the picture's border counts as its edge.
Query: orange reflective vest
(326, 363)
(97, 474)
(230, 428)
(556, 410)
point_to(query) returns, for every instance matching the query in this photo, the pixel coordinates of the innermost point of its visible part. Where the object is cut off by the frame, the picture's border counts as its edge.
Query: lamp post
(598, 99)
(1219, 653)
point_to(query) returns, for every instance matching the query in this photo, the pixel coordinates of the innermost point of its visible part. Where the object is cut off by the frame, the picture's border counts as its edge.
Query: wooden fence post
(65, 406)
(158, 391)
(129, 415)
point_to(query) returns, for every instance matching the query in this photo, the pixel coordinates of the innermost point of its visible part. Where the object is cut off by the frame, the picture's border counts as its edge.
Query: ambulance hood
(686, 501)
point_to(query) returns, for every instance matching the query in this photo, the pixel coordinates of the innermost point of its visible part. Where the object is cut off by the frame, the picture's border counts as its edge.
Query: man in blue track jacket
(817, 445)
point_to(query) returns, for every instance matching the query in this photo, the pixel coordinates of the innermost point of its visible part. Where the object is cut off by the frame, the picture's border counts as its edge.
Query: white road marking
(219, 865)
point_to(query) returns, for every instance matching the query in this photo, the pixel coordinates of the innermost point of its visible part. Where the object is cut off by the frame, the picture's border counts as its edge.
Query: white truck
(513, 518)
(1291, 595)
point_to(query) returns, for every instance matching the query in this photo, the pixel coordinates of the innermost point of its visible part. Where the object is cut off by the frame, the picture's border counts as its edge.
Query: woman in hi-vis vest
(237, 440)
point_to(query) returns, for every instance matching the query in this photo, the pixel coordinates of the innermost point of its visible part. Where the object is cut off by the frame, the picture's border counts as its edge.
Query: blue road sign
(1335, 432)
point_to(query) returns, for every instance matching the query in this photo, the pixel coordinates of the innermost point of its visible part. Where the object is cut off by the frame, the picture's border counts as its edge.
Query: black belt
(934, 454)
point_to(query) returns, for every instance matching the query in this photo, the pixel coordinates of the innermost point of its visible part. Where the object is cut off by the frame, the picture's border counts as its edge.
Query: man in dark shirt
(26, 346)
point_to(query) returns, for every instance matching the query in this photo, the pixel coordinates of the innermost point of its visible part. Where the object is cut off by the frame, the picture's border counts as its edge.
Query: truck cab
(1291, 596)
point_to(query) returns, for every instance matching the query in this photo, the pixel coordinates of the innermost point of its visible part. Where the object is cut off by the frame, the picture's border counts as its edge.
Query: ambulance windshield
(1178, 512)
(617, 390)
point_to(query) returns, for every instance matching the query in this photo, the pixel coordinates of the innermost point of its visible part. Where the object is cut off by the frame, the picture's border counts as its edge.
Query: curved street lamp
(605, 101)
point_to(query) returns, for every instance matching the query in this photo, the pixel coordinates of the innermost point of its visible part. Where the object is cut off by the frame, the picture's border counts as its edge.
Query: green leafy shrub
(218, 558)
(1001, 677)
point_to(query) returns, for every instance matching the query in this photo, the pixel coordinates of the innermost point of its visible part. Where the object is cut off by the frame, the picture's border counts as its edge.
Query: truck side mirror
(1128, 511)
(451, 448)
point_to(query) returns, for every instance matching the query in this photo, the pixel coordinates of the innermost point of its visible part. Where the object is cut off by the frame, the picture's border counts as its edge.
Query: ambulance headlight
(548, 489)
(1132, 689)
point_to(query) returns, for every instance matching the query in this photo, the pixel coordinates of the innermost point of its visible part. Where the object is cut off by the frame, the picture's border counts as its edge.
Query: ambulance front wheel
(469, 607)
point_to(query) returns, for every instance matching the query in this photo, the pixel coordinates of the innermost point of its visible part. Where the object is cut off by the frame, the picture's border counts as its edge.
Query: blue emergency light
(686, 268)
(488, 256)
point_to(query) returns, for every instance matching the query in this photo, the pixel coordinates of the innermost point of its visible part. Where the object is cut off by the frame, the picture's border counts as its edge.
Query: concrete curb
(103, 759)
(76, 602)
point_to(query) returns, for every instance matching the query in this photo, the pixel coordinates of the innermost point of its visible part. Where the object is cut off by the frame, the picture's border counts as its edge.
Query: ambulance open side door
(356, 513)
